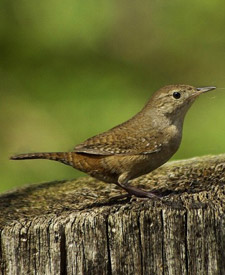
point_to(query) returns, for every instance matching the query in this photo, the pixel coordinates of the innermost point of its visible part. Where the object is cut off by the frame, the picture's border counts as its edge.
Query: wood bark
(76, 227)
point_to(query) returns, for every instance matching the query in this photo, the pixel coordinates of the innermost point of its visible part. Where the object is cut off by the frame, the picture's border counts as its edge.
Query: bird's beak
(202, 90)
(205, 89)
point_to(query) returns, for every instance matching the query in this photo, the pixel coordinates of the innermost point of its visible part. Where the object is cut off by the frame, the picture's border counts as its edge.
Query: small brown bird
(135, 147)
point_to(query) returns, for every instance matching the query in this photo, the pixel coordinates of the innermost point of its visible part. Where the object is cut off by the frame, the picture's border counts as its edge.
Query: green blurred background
(71, 69)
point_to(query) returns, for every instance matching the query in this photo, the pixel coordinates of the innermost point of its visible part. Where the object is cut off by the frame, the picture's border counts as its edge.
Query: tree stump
(76, 227)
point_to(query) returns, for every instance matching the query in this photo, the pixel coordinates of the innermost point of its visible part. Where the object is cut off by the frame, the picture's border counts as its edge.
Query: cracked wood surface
(73, 227)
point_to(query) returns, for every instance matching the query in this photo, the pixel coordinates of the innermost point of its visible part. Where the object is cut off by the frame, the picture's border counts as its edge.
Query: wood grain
(74, 227)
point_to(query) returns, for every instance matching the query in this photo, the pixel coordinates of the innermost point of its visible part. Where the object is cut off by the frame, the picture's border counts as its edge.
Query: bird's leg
(138, 192)
(132, 191)
(123, 182)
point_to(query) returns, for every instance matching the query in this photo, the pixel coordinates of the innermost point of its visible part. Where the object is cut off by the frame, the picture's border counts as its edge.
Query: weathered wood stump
(73, 227)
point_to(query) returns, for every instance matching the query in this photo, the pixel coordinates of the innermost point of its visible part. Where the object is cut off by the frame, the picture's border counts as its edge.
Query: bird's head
(175, 100)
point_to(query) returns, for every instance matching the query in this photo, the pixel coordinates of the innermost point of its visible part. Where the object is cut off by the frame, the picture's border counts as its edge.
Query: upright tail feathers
(64, 157)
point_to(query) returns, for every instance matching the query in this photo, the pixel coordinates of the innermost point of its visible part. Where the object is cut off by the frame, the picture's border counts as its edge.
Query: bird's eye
(176, 95)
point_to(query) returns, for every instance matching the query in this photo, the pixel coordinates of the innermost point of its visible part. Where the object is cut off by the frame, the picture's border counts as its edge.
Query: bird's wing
(116, 142)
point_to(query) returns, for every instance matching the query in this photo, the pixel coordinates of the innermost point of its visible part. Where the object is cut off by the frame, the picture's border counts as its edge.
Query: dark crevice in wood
(108, 247)
(28, 242)
(220, 239)
(39, 246)
(48, 240)
(140, 243)
(2, 263)
(63, 253)
(186, 242)
(163, 256)
(35, 258)
(85, 267)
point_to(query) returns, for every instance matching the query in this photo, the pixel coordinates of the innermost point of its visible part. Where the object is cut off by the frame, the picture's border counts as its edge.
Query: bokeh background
(71, 69)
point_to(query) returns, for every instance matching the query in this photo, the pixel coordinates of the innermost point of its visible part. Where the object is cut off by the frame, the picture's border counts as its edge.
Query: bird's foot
(139, 193)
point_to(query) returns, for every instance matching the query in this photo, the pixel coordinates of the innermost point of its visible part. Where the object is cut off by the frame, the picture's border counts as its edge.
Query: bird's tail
(64, 157)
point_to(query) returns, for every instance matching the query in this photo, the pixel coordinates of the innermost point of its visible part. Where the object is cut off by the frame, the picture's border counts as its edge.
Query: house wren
(135, 147)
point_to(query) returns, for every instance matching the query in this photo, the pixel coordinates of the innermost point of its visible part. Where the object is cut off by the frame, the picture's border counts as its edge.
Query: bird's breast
(173, 136)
